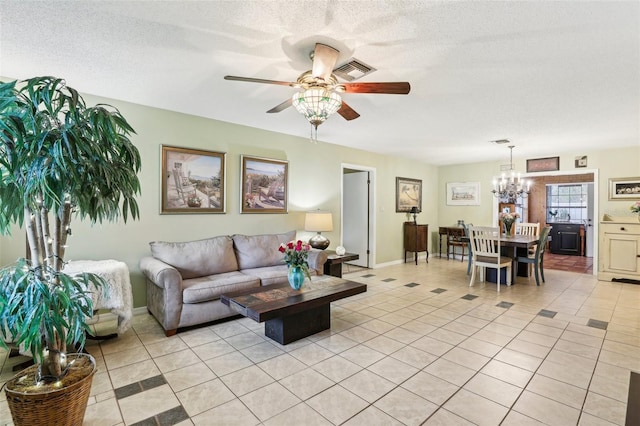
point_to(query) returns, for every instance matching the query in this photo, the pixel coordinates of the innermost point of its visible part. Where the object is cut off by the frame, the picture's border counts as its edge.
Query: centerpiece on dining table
(508, 218)
(296, 255)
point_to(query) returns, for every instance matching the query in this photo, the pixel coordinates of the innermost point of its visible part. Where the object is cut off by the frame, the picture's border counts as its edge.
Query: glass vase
(295, 277)
(507, 227)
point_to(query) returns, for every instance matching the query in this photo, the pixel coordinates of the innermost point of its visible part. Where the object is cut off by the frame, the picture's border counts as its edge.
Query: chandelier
(316, 104)
(510, 188)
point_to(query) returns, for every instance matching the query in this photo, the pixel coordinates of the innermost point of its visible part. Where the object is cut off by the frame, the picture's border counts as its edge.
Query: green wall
(315, 175)
(314, 182)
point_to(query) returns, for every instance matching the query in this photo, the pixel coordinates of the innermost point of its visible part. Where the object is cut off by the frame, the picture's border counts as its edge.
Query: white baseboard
(421, 257)
(140, 310)
(108, 316)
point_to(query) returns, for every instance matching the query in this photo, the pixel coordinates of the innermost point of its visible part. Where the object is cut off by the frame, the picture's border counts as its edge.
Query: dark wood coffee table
(292, 314)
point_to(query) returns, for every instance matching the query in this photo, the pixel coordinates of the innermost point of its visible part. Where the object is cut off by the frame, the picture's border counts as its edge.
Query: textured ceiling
(550, 76)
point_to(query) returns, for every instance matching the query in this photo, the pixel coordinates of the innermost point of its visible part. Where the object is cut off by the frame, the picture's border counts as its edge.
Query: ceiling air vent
(353, 70)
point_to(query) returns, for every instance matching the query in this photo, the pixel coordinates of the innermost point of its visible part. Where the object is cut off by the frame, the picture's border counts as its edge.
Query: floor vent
(625, 280)
(353, 70)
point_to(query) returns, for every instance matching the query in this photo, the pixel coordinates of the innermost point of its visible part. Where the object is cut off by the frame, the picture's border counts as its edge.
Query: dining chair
(468, 238)
(537, 259)
(485, 246)
(528, 228)
(455, 238)
(524, 228)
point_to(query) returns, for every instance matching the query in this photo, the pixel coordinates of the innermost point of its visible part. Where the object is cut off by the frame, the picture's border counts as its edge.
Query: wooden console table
(416, 239)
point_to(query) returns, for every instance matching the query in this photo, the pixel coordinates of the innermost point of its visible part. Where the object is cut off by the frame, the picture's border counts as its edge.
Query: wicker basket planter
(60, 407)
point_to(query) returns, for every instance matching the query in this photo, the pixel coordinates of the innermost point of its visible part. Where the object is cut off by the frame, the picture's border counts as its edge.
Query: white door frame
(596, 204)
(372, 207)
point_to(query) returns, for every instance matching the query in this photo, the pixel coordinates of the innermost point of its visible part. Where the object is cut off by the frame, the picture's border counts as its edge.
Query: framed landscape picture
(193, 181)
(624, 188)
(264, 186)
(463, 193)
(408, 194)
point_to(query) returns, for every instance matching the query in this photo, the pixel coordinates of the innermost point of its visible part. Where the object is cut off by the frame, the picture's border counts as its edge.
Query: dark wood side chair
(457, 238)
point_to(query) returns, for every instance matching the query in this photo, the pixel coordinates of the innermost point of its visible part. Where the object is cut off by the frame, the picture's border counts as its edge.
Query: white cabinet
(619, 248)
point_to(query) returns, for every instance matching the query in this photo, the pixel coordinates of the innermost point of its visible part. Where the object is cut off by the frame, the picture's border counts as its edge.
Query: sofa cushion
(272, 274)
(256, 251)
(202, 289)
(197, 258)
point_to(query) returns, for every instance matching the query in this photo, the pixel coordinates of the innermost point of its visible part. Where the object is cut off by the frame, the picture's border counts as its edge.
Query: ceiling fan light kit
(316, 104)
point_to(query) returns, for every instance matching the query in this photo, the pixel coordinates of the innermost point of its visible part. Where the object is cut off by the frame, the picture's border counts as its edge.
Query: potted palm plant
(59, 159)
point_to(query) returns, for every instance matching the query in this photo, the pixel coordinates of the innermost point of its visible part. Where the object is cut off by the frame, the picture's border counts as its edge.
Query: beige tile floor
(395, 355)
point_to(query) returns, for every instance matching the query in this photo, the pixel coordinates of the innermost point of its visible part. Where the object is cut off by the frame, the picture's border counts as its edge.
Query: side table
(117, 296)
(333, 265)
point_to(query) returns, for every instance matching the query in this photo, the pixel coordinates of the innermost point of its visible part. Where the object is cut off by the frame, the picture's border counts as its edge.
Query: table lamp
(414, 212)
(318, 221)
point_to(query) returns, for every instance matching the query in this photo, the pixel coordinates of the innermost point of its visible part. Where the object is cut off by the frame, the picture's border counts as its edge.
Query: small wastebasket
(492, 276)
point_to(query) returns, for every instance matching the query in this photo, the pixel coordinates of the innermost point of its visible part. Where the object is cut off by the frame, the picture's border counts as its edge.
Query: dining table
(515, 242)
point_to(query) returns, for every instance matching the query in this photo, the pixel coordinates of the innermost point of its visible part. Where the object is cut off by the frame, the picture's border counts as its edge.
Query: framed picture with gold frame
(264, 186)
(193, 181)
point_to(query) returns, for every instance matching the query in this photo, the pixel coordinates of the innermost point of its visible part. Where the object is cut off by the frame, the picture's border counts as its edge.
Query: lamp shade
(318, 221)
(316, 104)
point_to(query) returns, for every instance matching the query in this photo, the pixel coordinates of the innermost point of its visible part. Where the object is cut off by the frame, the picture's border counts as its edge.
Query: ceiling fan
(319, 94)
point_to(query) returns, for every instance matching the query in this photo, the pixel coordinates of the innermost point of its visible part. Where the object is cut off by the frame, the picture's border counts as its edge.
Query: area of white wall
(314, 182)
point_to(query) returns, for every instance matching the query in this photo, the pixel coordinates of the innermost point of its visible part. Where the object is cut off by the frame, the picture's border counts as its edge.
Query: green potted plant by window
(59, 159)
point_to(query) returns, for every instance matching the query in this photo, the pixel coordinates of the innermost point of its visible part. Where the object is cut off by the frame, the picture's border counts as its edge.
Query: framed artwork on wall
(193, 181)
(408, 194)
(624, 188)
(548, 164)
(463, 193)
(264, 186)
(581, 161)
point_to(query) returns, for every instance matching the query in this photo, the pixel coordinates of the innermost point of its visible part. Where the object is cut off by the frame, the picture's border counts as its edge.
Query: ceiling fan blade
(286, 104)
(347, 112)
(324, 59)
(394, 88)
(258, 80)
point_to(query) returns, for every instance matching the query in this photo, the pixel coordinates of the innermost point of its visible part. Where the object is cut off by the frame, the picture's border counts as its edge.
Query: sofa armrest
(164, 292)
(316, 260)
(161, 274)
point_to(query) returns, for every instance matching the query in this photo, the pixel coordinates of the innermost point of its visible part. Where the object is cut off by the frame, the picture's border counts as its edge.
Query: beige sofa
(186, 279)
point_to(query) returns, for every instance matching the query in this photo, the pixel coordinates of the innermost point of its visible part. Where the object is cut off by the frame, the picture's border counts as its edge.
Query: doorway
(538, 212)
(358, 183)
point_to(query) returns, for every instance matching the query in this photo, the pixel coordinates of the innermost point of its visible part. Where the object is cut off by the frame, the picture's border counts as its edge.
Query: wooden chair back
(525, 228)
(483, 241)
(485, 248)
